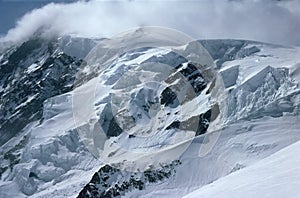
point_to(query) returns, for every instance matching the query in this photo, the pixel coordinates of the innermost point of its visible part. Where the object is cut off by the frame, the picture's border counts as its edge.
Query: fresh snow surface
(275, 176)
(240, 145)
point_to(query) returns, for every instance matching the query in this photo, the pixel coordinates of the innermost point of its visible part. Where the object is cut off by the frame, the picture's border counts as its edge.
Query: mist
(268, 21)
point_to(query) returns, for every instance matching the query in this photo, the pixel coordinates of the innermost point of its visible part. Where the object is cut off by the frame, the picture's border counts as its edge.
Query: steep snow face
(145, 148)
(275, 176)
(265, 83)
(270, 92)
(151, 93)
(228, 50)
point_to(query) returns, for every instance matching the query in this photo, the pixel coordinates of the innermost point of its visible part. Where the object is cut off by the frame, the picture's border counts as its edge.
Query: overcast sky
(263, 20)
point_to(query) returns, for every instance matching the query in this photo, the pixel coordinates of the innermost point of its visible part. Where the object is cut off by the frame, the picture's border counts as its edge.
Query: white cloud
(276, 22)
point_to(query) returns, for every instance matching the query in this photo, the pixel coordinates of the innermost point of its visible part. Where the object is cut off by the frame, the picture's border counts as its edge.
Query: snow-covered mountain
(33, 72)
(79, 121)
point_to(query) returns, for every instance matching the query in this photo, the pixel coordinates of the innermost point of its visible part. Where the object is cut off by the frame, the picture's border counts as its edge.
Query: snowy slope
(275, 176)
(54, 158)
(282, 88)
(251, 142)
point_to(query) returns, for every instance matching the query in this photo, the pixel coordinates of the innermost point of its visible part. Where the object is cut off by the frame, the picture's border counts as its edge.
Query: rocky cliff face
(31, 73)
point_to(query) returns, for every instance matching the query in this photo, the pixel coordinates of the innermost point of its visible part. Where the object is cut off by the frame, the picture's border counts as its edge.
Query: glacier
(49, 157)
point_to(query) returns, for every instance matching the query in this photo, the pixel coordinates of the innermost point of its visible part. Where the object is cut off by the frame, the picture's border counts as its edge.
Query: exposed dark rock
(12, 156)
(108, 122)
(168, 98)
(112, 182)
(194, 77)
(32, 73)
(32, 174)
(199, 124)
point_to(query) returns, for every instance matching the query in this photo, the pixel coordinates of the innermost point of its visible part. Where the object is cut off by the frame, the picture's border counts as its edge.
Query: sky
(270, 21)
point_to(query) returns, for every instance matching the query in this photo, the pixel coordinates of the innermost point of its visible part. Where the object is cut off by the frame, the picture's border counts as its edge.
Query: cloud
(269, 21)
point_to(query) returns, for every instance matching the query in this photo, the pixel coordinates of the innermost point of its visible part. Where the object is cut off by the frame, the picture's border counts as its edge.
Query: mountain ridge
(50, 151)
